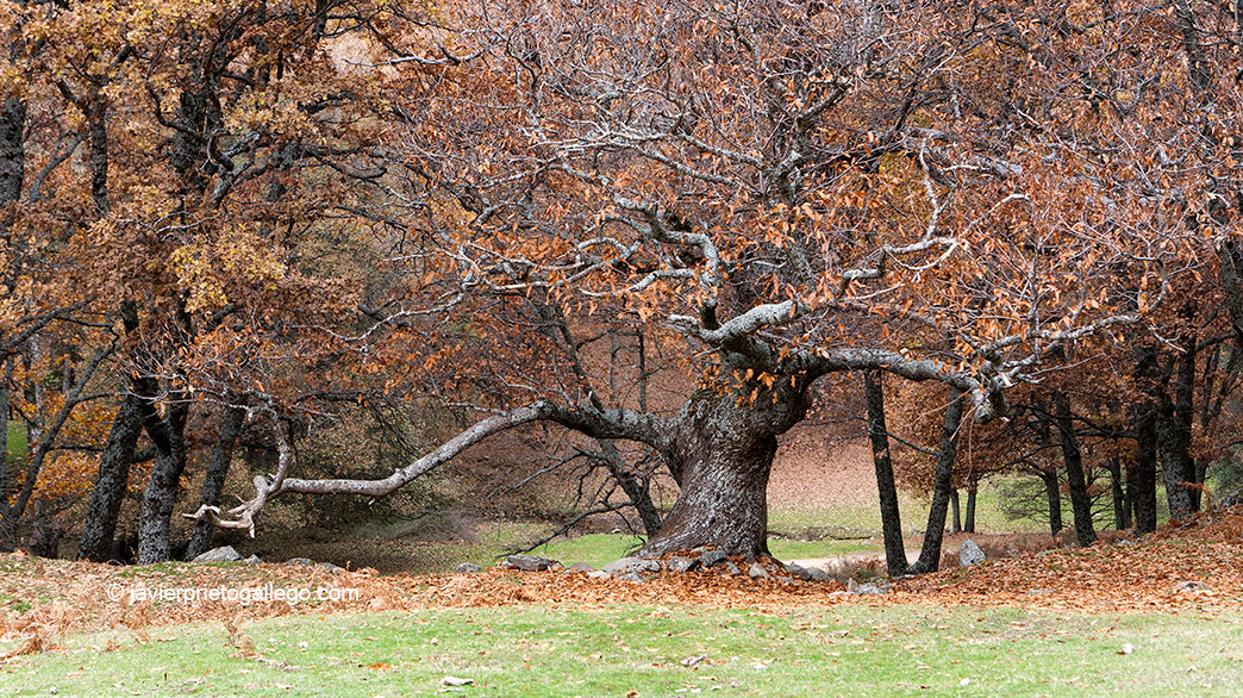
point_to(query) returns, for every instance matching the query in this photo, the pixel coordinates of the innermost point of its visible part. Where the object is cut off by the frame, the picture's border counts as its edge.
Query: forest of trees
(1010, 229)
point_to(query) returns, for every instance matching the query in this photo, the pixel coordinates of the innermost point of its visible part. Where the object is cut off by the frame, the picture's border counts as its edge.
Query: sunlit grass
(536, 651)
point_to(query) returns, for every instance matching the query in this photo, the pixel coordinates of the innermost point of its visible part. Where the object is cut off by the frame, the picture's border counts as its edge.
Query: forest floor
(1160, 613)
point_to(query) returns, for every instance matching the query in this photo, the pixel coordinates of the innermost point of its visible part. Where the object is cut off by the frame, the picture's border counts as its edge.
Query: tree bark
(955, 512)
(1184, 410)
(213, 481)
(930, 554)
(1175, 458)
(890, 514)
(1144, 493)
(1080, 500)
(969, 523)
(726, 452)
(110, 484)
(160, 496)
(1053, 495)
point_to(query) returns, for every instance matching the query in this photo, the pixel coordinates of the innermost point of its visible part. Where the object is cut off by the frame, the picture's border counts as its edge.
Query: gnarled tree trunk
(156, 512)
(725, 450)
(111, 482)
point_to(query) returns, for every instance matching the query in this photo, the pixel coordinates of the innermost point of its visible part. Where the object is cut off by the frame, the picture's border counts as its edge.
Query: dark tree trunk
(1144, 493)
(725, 452)
(1116, 492)
(110, 484)
(1053, 495)
(12, 151)
(1128, 499)
(213, 480)
(1184, 418)
(1080, 500)
(955, 513)
(890, 515)
(160, 496)
(1230, 259)
(1175, 460)
(635, 488)
(930, 554)
(969, 523)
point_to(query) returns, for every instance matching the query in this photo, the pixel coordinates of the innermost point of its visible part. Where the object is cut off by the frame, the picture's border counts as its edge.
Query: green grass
(537, 651)
(597, 549)
(16, 443)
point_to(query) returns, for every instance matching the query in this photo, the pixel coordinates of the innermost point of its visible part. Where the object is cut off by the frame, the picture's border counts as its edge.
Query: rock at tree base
(468, 568)
(757, 571)
(711, 557)
(577, 567)
(634, 577)
(631, 564)
(807, 574)
(681, 565)
(253, 560)
(970, 554)
(300, 562)
(529, 563)
(224, 553)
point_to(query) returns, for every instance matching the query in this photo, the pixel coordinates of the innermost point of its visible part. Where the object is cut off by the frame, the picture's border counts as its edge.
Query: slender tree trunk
(1144, 495)
(969, 523)
(725, 451)
(636, 489)
(1115, 491)
(955, 513)
(1184, 417)
(1053, 495)
(213, 481)
(930, 554)
(160, 496)
(890, 515)
(1080, 500)
(1128, 499)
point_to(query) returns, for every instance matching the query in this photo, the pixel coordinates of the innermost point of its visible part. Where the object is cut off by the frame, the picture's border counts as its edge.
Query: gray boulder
(253, 560)
(681, 565)
(633, 577)
(225, 553)
(807, 574)
(970, 554)
(711, 557)
(300, 562)
(631, 564)
(578, 567)
(529, 563)
(732, 569)
(757, 571)
(468, 568)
